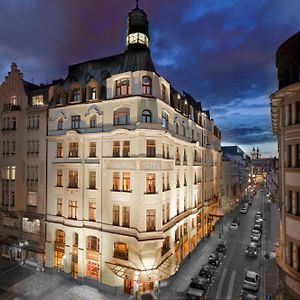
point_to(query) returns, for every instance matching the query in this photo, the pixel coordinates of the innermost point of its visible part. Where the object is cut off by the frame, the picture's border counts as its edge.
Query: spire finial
(137, 3)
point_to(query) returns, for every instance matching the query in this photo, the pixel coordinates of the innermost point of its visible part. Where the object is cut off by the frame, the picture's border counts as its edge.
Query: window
(116, 215)
(164, 120)
(147, 85)
(75, 239)
(31, 225)
(177, 154)
(147, 116)
(73, 209)
(122, 87)
(185, 203)
(76, 95)
(59, 150)
(93, 122)
(177, 181)
(59, 100)
(73, 149)
(165, 246)
(298, 112)
(150, 183)
(92, 149)
(150, 220)
(121, 250)
(126, 216)
(60, 236)
(73, 179)
(93, 94)
(93, 243)
(13, 147)
(75, 122)
(168, 181)
(289, 155)
(150, 151)
(298, 155)
(184, 155)
(177, 128)
(14, 123)
(116, 181)
(183, 130)
(92, 211)
(59, 178)
(193, 135)
(163, 93)
(126, 182)
(126, 149)
(60, 124)
(59, 206)
(116, 149)
(122, 116)
(37, 100)
(92, 180)
(168, 212)
(177, 206)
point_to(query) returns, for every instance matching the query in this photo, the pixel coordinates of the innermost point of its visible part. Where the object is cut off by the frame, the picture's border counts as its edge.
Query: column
(295, 257)
(293, 156)
(294, 204)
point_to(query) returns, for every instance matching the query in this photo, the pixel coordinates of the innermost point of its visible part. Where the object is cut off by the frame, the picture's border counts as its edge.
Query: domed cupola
(137, 34)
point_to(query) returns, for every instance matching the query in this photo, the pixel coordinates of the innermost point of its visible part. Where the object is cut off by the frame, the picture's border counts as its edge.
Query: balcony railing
(11, 107)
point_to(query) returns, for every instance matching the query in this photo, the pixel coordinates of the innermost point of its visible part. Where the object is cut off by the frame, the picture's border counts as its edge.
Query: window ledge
(155, 193)
(121, 191)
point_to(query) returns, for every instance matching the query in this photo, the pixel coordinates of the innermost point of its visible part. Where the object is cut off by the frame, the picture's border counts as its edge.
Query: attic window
(122, 87)
(93, 93)
(147, 85)
(76, 95)
(37, 100)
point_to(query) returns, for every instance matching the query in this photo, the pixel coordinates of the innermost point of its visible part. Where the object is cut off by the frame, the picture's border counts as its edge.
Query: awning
(217, 212)
(128, 269)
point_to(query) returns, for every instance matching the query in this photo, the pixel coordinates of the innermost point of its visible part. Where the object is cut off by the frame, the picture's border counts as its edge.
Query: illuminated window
(93, 243)
(93, 94)
(121, 250)
(32, 226)
(122, 116)
(126, 181)
(59, 178)
(116, 215)
(147, 85)
(150, 183)
(92, 149)
(37, 100)
(92, 180)
(150, 148)
(13, 173)
(126, 216)
(122, 87)
(59, 150)
(164, 120)
(75, 122)
(59, 206)
(116, 149)
(150, 220)
(126, 149)
(73, 209)
(73, 149)
(73, 179)
(147, 116)
(92, 211)
(116, 181)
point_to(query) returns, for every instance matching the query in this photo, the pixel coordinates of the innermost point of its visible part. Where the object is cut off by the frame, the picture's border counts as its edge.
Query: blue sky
(221, 52)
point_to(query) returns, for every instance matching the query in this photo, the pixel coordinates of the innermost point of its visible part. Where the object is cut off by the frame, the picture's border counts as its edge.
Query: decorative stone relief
(127, 165)
(150, 165)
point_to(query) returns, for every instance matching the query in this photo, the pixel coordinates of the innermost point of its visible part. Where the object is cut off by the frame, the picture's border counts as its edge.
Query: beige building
(23, 168)
(285, 108)
(133, 170)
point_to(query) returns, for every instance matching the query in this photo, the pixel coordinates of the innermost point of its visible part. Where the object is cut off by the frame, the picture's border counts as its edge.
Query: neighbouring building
(285, 109)
(235, 176)
(23, 133)
(133, 170)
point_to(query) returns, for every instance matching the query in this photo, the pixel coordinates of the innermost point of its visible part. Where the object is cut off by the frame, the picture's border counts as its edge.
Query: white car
(243, 210)
(255, 233)
(251, 281)
(234, 226)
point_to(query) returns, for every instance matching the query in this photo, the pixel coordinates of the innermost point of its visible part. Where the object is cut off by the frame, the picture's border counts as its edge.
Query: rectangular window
(59, 206)
(116, 181)
(116, 215)
(92, 180)
(298, 112)
(289, 155)
(75, 122)
(13, 147)
(150, 183)
(59, 150)
(126, 149)
(150, 220)
(73, 209)
(92, 211)
(14, 123)
(126, 181)
(59, 178)
(298, 155)
(126, 216)
(116, 149)
(73, 149)
(37, 100)
(93, 149)
(73, 179)
(150, 151)
(168, 212)
(31, 225)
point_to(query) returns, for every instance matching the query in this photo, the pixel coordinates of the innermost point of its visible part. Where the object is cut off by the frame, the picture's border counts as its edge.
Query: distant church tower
(255, 154)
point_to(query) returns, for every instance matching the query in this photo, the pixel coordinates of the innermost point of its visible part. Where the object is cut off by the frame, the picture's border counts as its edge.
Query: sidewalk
(175, 287)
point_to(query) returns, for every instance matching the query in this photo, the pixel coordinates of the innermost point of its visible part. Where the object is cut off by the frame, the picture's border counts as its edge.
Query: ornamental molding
(71, 135)
(150, 165)
(94, 110)
(120, 164)
(60, 114)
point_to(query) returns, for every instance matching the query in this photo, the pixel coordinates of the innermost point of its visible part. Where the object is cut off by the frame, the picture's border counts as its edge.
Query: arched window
(75, 239)
(93, 122)
(147, 116)
(122, 87)
(177, 128)
(191, 113)
(147, 85)
(60, 236)
(93, 243)
(93, 93)
(121, 250)
(163, 93)
(60, 124)
(164, 120)
(122, 116)
(183, 130)
(76, 95)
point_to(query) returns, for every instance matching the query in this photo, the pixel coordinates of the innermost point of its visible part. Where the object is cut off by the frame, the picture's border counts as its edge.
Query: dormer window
(37, 100)
(147, 85)
(93, 95)
(163, 93)
(147, 116)
(76, 95)
(122, 87)
(164, 120)
(59, 100)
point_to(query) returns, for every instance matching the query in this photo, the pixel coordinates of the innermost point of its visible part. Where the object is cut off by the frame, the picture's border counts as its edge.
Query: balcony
(11, 107)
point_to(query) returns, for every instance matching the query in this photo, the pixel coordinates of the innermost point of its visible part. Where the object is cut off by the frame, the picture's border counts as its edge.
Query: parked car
(243, 210)
(258, 215)
(222, 243)
(251, 250)
(221, 249)
(234, 226)
(215, 259)
(258, 227)
(195, 294)
(251, 281)
(255, 232)
(207, 271)
(246, 295)
(256, 240)
(237, 221)
(198, 288)
(249, 202)
(147, 296)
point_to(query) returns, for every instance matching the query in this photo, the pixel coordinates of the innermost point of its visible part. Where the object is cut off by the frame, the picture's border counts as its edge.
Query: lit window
(75, 122)
(116, 215)
(92, 149)
(73, 179)
(150, 148)
(92, 211)
(37, 100)
(147, 85)
(126, 216)
(116, 149)
(76, 95)
(93, 94)
(73, 209)
(13, 173)
(126, 149)
(150, 220)
(164, 120)
(59, 178)
(122, 87)
(32, 226)
(126, 182)
(121, 250)
(116, 181)
(73, 149)
(147, 116)
(122, 116)
(150, 183)
(59, 150)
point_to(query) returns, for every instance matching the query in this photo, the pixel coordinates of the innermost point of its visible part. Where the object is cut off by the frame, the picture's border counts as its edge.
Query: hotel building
(133, 170)
(285, 109)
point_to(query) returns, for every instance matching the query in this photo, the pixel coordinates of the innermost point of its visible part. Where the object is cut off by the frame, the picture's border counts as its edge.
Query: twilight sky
(220, 51)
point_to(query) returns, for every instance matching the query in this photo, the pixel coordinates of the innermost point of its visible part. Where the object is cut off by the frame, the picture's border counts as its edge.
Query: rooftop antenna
(137, 3)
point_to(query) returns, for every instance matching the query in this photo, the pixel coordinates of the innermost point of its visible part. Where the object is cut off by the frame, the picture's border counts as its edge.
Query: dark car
(237, 221)
(207, 271)
(221, 249)
(258, 227)
(251, 250)
(245, 295)
(215, 259)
